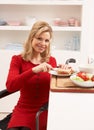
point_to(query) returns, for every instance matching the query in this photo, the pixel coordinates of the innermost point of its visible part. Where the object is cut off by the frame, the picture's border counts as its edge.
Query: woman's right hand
(44, 67)
(64, 66)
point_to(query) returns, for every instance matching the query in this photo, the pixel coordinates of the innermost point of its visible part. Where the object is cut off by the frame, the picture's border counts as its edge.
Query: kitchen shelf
(27, 28)
(67, 28)
(43, 2)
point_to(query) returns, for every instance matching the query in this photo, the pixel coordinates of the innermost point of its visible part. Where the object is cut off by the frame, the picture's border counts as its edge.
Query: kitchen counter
(70, 107)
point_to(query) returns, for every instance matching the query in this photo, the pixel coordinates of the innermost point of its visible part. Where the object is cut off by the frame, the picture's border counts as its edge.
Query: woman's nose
(43, 42)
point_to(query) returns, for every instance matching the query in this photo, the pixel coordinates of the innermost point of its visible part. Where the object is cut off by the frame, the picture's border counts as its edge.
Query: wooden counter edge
(54, 88)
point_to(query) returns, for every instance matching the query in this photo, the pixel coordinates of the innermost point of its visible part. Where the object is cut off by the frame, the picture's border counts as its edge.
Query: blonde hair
(37, 29)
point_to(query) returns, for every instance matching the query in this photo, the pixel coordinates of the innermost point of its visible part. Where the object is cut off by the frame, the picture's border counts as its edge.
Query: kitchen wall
(88, 46)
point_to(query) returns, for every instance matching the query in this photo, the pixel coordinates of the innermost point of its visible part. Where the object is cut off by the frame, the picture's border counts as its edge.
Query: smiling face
(40, 43)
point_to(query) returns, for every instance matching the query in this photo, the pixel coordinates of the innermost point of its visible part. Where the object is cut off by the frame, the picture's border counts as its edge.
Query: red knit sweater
(34, 92)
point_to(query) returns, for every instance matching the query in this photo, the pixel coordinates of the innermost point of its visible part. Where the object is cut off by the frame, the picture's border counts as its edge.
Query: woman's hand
(64, 66)
(44, 67)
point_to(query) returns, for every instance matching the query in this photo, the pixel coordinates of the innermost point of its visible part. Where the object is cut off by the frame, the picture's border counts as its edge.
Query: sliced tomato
(83, 75)
(92, 78)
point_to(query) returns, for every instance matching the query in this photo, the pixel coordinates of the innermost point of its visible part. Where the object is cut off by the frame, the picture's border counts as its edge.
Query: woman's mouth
(41, 47)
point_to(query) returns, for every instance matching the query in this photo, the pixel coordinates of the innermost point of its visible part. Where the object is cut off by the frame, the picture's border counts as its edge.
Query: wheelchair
(4, 93)
(4, 122)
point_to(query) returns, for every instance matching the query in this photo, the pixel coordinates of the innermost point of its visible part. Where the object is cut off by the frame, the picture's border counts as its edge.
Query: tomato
(92, 78)
(83, 75)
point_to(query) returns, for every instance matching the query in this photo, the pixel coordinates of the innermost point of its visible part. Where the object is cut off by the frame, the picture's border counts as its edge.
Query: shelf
(66, 28)
(55, 28)
(23, 28)
(43, 2)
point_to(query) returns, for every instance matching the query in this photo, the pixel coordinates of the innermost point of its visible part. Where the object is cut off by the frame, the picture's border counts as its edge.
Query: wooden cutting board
(61, 84)
(64, 82)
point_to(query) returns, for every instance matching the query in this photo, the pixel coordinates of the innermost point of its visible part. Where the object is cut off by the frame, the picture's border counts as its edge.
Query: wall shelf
(27, 28)
(43, 2)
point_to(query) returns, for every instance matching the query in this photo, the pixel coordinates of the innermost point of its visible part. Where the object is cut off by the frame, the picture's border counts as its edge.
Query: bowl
(80, 83)
(88, 68)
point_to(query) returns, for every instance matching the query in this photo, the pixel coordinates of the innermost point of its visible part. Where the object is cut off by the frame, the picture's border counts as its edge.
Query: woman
(29, 73)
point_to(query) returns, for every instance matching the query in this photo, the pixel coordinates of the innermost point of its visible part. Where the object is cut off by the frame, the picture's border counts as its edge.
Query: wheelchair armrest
(4, 93)
(43, 108)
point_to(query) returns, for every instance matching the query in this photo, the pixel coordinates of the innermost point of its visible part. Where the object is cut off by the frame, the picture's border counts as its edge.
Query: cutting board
(64, 84)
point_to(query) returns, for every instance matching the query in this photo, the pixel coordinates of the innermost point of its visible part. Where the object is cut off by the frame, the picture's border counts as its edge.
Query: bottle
(76, 43)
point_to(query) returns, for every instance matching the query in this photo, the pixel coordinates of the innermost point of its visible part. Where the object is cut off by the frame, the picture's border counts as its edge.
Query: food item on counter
(84, 76)
(92, 78)
(77, 78)
(65, 71)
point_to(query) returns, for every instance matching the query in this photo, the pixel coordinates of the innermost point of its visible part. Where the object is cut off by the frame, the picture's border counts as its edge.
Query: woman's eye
(47, 40)
(40, 39)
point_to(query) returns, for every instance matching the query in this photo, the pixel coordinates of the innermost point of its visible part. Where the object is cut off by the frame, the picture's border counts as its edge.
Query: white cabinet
(71, 111)
(66, 39)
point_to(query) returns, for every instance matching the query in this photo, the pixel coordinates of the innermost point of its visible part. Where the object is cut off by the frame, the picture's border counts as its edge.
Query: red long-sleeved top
(34, 92)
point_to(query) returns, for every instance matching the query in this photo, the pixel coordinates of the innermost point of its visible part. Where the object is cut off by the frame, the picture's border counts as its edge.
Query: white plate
(81, 83)
(53, 72)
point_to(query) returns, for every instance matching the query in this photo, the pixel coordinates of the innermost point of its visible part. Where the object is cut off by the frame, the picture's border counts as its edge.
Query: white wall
(87, 30)
(7, 103)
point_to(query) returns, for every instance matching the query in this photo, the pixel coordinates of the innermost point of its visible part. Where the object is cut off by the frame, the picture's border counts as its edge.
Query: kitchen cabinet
(71, 111)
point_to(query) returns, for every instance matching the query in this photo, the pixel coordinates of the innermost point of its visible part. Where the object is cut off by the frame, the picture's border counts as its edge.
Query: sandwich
(64, 71)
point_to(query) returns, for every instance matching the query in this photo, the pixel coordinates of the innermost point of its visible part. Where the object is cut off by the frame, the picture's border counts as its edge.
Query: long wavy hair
(37, 29)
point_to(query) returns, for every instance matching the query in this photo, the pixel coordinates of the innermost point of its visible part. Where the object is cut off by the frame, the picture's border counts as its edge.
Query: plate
(54, 72)
(81, 83)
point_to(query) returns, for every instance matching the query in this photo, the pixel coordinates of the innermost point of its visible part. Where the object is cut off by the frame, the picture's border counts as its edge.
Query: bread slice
(64, 71)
